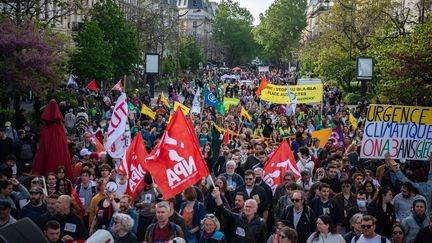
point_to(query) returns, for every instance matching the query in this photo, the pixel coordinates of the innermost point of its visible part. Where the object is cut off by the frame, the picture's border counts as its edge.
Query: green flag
(133, 107)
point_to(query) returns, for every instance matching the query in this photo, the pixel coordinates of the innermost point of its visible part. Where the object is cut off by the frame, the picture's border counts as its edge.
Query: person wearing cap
(36, 207)
(5, 216)
(10, 131)
(85, 155)
(211, 230)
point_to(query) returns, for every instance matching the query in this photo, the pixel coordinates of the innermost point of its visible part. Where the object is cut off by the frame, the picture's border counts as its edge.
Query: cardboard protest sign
(405, 132)
(278, 94)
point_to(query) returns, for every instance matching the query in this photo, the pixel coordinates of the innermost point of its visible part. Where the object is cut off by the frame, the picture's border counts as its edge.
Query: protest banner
(405, 132)
(323, 135)
(227, 102)
(278, 94)
(118, 136)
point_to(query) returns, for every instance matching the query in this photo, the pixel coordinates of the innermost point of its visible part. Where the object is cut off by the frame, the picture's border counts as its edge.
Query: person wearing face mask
(416, 221)
(362, 206)
(403, 201)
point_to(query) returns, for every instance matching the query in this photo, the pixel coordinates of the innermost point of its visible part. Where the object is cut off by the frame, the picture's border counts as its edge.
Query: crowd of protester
(338, 198)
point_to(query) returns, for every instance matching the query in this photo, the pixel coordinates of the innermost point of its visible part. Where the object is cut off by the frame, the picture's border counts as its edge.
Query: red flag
(177, 163)
(133, 165)
(337, 136)
(99, 146)
(77, 199)
(118, 86)
(281, 161)
(225, 138)
(262, 86)
(92, 85)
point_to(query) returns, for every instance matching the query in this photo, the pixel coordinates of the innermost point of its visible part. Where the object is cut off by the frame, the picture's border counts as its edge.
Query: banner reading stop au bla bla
(278, 94)
(405, 132)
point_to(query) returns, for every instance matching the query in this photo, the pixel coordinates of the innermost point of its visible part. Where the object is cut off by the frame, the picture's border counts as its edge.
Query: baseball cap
(8, 124)
(4, 204)
(36, 190)
(84, 152)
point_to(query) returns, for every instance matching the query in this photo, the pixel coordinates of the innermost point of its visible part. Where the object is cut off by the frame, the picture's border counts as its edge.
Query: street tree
(31, 59)
(280, 29)
(232, 28)
(120, 34)
(190, 53)
(404, 67)
(45, 12)
(92, 58)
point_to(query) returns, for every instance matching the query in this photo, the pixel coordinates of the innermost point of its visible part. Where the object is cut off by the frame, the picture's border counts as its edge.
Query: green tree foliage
(405, 67)
(280, 29)
(92, 56)
(232, 28)
(190, 53)
(169, 65)
(44, 12)
(31, 58)
(349, 29)
(120, 34)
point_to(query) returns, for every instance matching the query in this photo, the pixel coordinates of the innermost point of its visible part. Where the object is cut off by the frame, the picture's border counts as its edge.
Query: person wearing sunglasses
(122, 229)
(286, 235)
(345, 200)
(398, 234)
(368, 225)
(299, 216)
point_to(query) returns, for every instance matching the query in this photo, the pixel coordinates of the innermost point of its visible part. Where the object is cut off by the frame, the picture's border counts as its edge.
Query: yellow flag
(245, 114)
(184, 108)
(353, 121)
(164, 100)
(148, 112)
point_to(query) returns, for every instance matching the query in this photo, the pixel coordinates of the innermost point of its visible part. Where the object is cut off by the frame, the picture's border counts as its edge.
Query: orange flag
(262, 86)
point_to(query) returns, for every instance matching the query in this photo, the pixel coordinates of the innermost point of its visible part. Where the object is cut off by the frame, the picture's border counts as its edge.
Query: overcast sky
(254, 6)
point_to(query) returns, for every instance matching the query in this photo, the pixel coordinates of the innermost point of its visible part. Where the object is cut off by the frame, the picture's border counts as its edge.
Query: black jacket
(259, 194)
(246, 232)
(72, 225)
(306, 224)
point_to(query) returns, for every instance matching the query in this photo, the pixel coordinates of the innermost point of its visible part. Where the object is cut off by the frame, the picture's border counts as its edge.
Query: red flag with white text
(281, 161)
(134, 167)
(176, 163)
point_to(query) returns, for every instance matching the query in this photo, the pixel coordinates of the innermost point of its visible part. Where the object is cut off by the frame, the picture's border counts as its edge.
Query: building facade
(196, 19)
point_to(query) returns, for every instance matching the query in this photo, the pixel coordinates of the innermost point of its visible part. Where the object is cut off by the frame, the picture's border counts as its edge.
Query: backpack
(26, 152)
(383, 239)
(93, 189)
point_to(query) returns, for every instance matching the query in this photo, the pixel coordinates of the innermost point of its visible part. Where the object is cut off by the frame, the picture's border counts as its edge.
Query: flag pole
(243, 119)
(124, 83)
